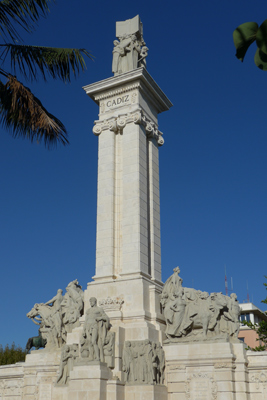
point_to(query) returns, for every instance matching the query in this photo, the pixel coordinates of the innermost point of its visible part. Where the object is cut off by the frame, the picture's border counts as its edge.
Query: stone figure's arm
(50, 301)
(173, 307)
(103, 317)
(228, 315)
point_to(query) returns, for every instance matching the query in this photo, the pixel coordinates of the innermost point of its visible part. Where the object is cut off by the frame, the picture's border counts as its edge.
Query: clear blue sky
(212, 165)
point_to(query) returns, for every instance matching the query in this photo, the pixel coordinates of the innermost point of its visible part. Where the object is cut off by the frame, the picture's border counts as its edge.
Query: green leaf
(23, 13)
(243, 36)
(261, 37)
(24, 115)
(58, 63)
(261, 60)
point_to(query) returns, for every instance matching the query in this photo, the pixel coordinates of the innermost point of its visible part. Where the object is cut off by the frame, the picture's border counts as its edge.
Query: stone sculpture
(72, 306)
(35, 341)
(194, 315)
(96, 339)
(230, 323)
(129, 51)
(109, 348)
(68, 355)
(59, 315)
(143, 362)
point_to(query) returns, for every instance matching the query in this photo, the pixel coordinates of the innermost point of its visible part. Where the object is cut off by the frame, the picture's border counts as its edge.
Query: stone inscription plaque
(201, 387)
(116, 102)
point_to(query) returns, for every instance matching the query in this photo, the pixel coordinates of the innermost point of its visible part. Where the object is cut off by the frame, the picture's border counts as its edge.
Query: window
(245, 317)
(242, 317)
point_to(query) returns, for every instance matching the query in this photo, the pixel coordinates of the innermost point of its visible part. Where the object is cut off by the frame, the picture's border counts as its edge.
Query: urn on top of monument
(130, 50)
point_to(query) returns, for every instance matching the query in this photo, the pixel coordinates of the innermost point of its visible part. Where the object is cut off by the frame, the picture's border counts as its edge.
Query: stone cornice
(118, 91)
(138, 76)
(116, 124)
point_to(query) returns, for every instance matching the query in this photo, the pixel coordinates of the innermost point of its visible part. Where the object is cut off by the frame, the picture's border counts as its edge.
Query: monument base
(89, 382)
(147, 392)
(207, 371)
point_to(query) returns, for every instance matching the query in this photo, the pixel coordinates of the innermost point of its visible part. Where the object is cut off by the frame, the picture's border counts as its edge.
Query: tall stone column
(127, 281)
(128, 210)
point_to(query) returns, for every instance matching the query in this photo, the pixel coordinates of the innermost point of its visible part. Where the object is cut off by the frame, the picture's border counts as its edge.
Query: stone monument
(128, 254)
(128, 336)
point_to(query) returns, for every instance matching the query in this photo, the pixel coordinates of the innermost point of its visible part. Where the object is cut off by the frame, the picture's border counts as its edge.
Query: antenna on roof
(247, 293)
(225, 281)
(232, 285)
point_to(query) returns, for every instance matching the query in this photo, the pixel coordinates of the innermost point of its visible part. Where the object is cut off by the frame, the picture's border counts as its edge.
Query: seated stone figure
(191, 313)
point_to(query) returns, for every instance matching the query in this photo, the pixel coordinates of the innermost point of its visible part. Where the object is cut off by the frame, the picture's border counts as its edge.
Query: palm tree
(20, 111)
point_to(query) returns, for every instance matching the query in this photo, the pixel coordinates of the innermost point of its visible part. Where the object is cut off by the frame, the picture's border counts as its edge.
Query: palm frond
(22, 12)
(23, 114)
(48, 61)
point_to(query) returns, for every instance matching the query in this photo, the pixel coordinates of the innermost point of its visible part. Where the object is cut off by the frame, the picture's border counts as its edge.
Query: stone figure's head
(144, 49)
(233, 296)
(60, 291)
(116, 42)
(179, 293)
(176, 269)
(204, 295)
(93, 301)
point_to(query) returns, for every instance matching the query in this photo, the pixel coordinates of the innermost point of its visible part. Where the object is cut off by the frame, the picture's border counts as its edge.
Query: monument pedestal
(146, 392)
(40, 374)
(207, 371)
(89, 382)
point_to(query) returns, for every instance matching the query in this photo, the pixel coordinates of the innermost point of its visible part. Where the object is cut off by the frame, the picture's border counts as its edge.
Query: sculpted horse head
(40, 314)
(218, 300)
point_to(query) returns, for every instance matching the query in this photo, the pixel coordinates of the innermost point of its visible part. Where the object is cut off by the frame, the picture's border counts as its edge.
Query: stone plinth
(207, 371)
(89, 382)
(40, 373)
(115, 390)
(146, 392)
(257, 368)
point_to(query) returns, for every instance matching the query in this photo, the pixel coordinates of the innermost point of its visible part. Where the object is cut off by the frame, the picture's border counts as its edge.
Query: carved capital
(113, 125)
(121, 122)
(137, 117)
(97, 129)
(152, 130)
(100, 126)
(117, 125)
